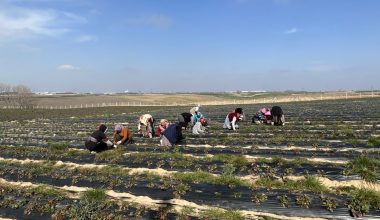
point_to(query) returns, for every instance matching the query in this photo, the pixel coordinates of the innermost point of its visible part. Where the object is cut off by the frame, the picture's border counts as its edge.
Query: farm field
(323, 164)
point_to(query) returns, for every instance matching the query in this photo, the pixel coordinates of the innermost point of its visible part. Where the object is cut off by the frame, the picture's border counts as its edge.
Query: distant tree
(23, 96)
(16, 96)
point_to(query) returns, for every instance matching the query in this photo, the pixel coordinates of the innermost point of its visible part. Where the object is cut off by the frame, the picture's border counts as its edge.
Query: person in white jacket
(232, 119)
(200, 126)
(146, 125)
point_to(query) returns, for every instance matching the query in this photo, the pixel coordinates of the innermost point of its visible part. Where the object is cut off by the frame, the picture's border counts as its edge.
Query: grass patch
(362, 200)
(217, 214)
(58, 147)
(310, 183)
(95, 195)
(47, 191)
(204, 177)
(113, 156)
(373, 142)
(364, 167)
(92, 202)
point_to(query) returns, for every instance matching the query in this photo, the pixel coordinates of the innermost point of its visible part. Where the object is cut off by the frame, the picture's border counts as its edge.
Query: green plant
(228, 169)
(259, 198)
(303, 201)
(362, 200)
(284, 200)
(181, 189)
(185, 213)
(237, 195)
(330, 203)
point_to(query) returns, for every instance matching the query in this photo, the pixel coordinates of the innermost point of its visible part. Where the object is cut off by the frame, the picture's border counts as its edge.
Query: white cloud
(154, 20)
(67, 67)
(86, 38)
(75, 18)
(291, 31)
(18, 22)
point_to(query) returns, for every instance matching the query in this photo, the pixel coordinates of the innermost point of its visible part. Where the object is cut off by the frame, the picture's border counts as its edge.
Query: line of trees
(18, 96)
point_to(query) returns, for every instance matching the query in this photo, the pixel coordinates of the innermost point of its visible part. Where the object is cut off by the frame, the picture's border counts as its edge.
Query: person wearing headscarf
(98, 140)
(146, 125)
(164, 124)
(200, 126)
(184, 119)
(262, 116)
(122, 135)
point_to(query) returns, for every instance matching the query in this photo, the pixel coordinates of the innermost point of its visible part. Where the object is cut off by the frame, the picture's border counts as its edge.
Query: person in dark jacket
(278, 117)
(172, 135)
(184, 119)
(98, 140)
(263, 116)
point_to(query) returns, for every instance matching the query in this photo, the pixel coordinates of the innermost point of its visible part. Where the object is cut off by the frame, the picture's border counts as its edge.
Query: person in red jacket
(164, 124)
(232, 119)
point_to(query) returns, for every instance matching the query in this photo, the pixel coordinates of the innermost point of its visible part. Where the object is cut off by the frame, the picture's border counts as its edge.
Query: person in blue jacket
(172, 135)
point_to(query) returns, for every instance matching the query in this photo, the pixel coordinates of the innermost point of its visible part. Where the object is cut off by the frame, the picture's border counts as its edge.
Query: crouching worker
(263, 116)
(200, 126)
(164, 124)
(98, 140)
(196, 114)
(278, 117)
(171, 136)
(232, 119)
(122, 135)
(146, 125)
(184, 119)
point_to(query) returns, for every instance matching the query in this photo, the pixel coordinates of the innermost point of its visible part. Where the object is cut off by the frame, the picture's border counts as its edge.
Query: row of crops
(323, 164)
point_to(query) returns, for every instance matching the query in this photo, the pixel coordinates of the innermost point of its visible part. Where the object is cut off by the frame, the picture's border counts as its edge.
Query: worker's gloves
(119, 142)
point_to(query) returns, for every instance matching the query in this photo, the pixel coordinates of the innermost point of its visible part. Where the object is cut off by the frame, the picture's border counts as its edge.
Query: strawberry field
(323, 164)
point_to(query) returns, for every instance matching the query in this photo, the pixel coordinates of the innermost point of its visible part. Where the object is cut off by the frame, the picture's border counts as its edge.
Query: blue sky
(190, 45)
